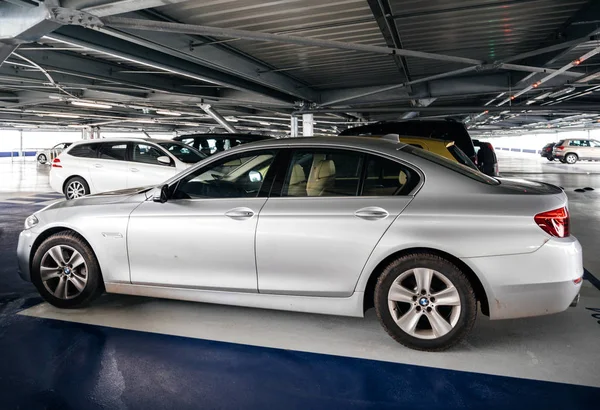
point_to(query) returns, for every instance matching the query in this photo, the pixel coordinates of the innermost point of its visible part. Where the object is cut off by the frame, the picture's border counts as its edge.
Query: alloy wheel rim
(571, 159)
(42, 159)
(75, 190)
(424, 303)
(63, 272)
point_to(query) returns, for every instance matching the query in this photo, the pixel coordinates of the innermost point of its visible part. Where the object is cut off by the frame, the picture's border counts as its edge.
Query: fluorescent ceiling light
(90, 104)
(77, 126)
(263, 123)
(166, 112)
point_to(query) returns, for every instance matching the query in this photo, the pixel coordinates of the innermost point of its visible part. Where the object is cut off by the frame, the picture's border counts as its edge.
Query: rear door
(326, 213)
(143, 168)
(108, 172)
(595, 150)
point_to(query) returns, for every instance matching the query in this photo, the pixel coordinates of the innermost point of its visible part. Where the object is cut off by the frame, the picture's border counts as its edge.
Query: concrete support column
(294, 127)
(307, 125)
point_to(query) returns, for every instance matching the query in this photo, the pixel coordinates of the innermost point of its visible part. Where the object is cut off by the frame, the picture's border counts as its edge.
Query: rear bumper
(539, 283)
(57, 180)
(558, 154)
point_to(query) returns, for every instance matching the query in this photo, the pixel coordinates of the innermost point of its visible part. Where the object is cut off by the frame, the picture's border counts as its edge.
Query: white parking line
(560, 348)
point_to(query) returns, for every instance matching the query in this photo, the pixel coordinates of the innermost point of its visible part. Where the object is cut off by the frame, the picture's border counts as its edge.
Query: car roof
(369, 143)
(224, 135)
(123, 139)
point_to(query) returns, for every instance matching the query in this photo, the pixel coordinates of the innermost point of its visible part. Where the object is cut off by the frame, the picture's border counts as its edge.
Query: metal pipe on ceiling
(218, 118)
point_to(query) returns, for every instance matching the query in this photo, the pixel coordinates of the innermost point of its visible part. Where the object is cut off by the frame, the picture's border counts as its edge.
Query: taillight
(555, 222)
(56, 163)
(560, 147)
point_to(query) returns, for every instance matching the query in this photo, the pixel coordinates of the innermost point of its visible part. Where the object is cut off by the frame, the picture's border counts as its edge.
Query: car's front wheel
(550, 158)
(425, 302)
(76, 187)
(42, 159)
(66, 272)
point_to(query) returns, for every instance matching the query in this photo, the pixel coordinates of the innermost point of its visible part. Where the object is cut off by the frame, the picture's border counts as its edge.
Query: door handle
(134, 170)
(98, 165)
(240, 213)
(371, 213)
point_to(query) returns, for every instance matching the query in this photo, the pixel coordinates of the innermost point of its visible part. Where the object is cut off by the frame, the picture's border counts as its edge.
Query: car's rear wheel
(66, 272)
(571, 158)
(42, 159)
(76, 187)
(425, 302)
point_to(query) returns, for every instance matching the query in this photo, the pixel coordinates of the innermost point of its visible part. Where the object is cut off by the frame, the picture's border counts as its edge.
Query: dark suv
(210, 144)
(440, 129)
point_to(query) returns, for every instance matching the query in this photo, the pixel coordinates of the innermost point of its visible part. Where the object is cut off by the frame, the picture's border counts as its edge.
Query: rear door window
(85, 150)
(384, 177)
(115, 151)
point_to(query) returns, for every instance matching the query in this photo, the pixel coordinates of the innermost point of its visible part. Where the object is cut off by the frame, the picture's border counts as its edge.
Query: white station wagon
(91, 167)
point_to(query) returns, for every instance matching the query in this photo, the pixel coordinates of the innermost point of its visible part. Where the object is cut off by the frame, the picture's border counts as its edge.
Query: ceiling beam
(83, 70)
(150, 57)
(112, 7)
(592, 108)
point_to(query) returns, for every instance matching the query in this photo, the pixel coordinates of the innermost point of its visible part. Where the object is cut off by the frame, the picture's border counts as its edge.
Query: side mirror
(164, 160)
(161, 196)
(255, 176)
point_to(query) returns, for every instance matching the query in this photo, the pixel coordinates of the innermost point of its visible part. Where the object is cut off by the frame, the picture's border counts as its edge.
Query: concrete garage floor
(130, 352)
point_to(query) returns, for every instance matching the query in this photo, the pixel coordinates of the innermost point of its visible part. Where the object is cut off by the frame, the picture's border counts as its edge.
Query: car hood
(525, 186)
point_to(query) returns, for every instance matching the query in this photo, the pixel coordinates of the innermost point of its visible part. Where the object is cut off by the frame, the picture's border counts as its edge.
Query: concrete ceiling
(154, 64)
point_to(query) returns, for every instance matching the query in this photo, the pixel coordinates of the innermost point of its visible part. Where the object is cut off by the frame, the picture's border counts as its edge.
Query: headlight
(31, 222)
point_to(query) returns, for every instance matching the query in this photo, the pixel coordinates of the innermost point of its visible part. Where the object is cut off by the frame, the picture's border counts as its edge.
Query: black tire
(94, 286)
(76, 182)
(563, 161)
(571, 158)
(41, 159)
(468, 302)
(550, 158)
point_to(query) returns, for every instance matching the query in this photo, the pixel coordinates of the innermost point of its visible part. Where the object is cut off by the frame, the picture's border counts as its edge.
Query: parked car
(447, 130)
(210, 144)
(46, 156)
(321, 225)
(572, 150)
(90, 167)
(547, 151)
(487, 162)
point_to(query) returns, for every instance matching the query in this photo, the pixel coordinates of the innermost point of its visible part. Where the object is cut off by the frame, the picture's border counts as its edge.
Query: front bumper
(26, 240)
(539, 283)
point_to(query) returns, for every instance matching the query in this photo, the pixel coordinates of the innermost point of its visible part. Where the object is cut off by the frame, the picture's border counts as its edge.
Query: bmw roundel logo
(423, 301)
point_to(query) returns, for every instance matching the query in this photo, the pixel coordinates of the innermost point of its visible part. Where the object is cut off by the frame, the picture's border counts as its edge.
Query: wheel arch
(478, 287)
(70, 177)
(51, 231)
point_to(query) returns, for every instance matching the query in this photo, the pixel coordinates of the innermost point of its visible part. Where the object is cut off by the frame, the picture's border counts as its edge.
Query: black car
(547, 151)
(210, 144)
(487, 162)
(440, 129)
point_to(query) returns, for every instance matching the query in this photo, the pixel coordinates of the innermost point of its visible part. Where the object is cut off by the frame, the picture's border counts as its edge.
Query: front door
(203, 236)
(144, 168)
(108, 172)
(334, 207)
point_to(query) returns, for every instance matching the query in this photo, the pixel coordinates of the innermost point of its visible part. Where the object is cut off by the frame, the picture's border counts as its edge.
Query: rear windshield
(461, 157)
(443, 130)
(182, 152)
(454, 166)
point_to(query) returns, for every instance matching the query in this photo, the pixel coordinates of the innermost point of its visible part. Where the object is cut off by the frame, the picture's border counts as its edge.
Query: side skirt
(350, 306)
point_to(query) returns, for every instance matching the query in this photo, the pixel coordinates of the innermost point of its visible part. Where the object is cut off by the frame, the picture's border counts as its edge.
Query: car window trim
(216, 157)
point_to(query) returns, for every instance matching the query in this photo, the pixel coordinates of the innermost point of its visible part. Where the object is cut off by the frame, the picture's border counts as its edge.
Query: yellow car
(446, 149)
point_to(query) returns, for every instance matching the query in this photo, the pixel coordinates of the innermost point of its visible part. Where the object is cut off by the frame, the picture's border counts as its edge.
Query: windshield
(454, 166)
(182, 152)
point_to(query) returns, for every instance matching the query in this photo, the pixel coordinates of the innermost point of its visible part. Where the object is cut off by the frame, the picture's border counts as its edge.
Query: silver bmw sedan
(321, 225)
